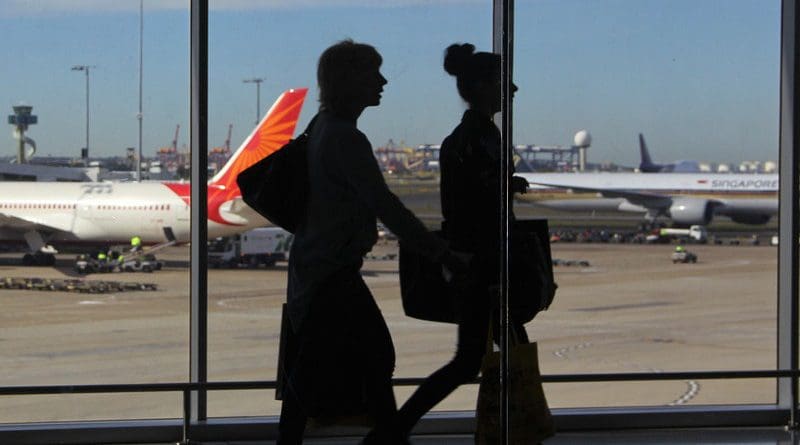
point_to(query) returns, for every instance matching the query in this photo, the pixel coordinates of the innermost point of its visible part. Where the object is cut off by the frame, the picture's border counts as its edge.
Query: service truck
(695, 234)
(266, 245)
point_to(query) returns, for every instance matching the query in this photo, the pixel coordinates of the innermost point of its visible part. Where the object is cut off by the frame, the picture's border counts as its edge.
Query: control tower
(22, 118)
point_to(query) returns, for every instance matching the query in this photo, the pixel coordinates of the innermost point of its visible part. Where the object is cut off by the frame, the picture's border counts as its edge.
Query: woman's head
(349, 77)
(477, 75)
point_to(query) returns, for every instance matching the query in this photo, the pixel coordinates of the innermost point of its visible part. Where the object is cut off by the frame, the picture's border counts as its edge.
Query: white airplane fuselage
(53, 213)
(686, 198)
(111, 212)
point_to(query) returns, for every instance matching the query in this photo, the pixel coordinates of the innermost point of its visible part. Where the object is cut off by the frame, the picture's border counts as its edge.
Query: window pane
(420, 105)
(87, 330)
(697, 81)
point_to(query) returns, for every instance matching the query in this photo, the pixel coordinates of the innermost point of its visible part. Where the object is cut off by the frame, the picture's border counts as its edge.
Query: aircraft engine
(750, 219)
(691, 211)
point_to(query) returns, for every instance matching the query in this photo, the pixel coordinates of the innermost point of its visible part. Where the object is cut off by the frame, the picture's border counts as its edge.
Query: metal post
(87, 115)
(257, 81)
(85, 69)
(139, 116)
(198, 136)
(503, 44)
(789, 211)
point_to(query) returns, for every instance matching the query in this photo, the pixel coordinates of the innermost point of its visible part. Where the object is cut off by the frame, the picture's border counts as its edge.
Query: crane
(173, 148)
(225, 149)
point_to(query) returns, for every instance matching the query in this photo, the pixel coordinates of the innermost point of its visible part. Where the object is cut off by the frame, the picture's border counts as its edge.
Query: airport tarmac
(630, 310)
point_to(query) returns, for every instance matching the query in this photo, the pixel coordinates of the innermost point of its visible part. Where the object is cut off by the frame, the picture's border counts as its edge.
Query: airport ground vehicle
(694, 234)
(683, 256)
(141, 263)
(266, 245)
(86, 264)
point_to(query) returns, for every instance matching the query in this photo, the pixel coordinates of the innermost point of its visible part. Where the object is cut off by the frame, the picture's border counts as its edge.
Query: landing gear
(39, 259)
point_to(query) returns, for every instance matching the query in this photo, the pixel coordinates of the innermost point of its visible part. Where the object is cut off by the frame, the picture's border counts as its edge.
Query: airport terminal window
(680, 73)
(598, 82)
(419, 107)
(83, 332)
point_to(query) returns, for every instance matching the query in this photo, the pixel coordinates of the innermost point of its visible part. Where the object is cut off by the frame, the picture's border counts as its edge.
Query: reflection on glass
(661, 265)
(91, 314)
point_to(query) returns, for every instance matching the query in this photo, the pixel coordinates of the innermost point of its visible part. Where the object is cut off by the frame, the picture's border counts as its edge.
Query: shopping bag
(532, 284)
(287, 350)
(530, 419)
(423, 290)
(427, 296)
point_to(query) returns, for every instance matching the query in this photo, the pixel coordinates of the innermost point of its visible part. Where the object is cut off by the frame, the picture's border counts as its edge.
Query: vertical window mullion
(503, 42)
(198, 137)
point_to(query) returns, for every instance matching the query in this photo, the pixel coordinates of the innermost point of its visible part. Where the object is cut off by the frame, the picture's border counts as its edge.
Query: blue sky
(700, 78)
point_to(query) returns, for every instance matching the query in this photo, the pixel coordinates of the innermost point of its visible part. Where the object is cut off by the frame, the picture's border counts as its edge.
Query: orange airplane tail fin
(274, 130)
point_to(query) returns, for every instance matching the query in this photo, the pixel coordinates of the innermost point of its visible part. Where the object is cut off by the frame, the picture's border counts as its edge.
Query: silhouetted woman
(344, 357)
(470, 185)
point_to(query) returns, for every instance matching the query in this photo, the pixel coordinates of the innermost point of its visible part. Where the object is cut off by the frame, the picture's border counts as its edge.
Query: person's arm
(361, 170)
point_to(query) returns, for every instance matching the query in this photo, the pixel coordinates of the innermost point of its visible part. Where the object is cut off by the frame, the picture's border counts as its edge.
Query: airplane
(105, 213)
(684, 198)
(647, 166)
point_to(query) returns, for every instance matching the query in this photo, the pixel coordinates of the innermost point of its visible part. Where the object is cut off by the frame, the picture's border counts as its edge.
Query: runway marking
(622, 306)
(91, 302)
(692, 387)
(562, 352)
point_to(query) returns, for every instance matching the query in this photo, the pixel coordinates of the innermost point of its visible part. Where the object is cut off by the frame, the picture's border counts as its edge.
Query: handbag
(277, 186)
(427, 296)
(424, 292)
(530, 419)
(532, 283)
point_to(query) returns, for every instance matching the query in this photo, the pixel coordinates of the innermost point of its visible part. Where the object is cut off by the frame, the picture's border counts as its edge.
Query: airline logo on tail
(273, 132)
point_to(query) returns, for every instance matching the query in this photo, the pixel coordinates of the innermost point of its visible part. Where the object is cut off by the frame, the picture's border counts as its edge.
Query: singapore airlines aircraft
(684, 198)
(106, 213)
(648, 166)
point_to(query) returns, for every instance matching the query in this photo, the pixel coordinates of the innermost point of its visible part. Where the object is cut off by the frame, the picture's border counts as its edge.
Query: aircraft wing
(653, 201)
(27, 225)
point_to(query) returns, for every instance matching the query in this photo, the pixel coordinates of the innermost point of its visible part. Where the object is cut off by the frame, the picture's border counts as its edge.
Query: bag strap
(310, 125)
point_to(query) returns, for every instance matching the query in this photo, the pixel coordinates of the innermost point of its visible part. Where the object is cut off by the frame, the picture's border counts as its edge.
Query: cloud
(17, 8)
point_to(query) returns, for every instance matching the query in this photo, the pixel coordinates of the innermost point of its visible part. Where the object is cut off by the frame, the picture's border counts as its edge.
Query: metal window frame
(789, 209)
(783, 412)
(198, 337)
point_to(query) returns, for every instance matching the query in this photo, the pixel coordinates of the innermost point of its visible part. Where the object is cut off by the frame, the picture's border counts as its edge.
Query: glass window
(78, 67)
(666, 262)
(267, 50)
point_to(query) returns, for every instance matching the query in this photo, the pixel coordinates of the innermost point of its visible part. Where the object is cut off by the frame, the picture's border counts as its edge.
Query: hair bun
(456, 58)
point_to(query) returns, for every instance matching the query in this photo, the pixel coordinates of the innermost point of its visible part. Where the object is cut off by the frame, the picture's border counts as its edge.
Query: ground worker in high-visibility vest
(136, 244)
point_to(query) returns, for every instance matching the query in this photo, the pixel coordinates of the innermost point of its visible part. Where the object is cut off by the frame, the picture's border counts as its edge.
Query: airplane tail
(646, 165)
(274, 130)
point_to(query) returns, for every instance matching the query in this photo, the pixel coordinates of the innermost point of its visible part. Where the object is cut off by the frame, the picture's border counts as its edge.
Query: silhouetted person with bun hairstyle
(344, 356)
(470, 196)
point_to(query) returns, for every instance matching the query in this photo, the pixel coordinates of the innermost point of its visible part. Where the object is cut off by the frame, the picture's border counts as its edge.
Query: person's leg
(379, 357)
(292, 423)
(464, 367)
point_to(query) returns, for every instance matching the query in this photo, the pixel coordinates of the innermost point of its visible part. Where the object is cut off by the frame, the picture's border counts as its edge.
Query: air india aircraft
(43, 214)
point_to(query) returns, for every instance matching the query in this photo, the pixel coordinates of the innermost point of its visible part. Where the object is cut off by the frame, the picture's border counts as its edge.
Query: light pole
(85, 68)
(139, 115)
(257, 81)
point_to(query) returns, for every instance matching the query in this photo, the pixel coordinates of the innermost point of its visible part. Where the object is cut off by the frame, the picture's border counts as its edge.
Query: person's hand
(519, 184)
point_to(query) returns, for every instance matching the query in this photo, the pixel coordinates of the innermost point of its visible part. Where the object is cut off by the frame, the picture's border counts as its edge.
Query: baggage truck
(266, 246)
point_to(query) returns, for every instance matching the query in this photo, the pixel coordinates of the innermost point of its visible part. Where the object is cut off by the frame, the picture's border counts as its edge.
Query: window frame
(781, 413)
